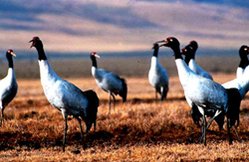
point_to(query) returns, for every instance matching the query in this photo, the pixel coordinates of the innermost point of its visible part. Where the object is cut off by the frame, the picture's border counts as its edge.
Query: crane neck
(94, 61)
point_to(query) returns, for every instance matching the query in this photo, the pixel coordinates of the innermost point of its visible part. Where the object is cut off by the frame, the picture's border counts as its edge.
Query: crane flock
(206, 97)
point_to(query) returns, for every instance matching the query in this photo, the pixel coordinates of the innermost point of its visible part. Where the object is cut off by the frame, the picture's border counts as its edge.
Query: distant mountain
(122, 26)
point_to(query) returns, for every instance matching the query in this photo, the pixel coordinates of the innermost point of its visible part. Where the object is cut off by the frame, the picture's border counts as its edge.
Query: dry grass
(139, 130)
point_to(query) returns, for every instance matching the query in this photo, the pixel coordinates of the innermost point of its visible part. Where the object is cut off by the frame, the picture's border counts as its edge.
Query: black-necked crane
(65, 96)
(8, 85)
(108, 81)
(244, 62)
(206, 94)
(158, 76)
(241, 81)
(189, 52)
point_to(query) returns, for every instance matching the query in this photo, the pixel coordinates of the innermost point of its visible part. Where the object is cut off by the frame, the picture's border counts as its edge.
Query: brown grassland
(141, 129)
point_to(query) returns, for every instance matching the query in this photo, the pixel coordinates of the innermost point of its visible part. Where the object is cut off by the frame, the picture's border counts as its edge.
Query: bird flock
(208, 99)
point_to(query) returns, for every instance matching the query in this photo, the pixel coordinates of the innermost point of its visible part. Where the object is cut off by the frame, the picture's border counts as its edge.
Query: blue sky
(122, 25)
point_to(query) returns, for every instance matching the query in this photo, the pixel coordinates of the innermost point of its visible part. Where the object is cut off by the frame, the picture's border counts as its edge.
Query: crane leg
(110, 102)
(2, 118)
(211, 120)
(65, 135)
(237, 134)
(229, 132)
(88, 127)
(114, 101)
(204, 130)
(209, 123)
(81, 131)
(65, 131)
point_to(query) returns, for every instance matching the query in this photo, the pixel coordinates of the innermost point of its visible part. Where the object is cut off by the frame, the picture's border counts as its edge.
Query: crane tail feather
(124, 91)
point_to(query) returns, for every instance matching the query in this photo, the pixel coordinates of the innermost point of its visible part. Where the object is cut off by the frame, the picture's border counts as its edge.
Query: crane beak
(32, 45)
(13, 54)
(97, 56)
(161, 41)
(164, 44)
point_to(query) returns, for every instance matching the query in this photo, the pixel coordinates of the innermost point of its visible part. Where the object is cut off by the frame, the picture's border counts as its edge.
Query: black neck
(187, 59)
(41, 53)
(94, 61)
(177, 53)
(192, 55)
(10, 61)
(155, 53)
(244, 62)
(189, 55)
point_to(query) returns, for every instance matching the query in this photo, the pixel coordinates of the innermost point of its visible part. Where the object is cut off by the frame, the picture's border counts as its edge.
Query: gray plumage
(108, 81)
(65, 96)
(206, 94)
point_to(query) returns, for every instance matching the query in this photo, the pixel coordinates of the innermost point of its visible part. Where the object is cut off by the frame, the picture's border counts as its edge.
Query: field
(141, 129)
